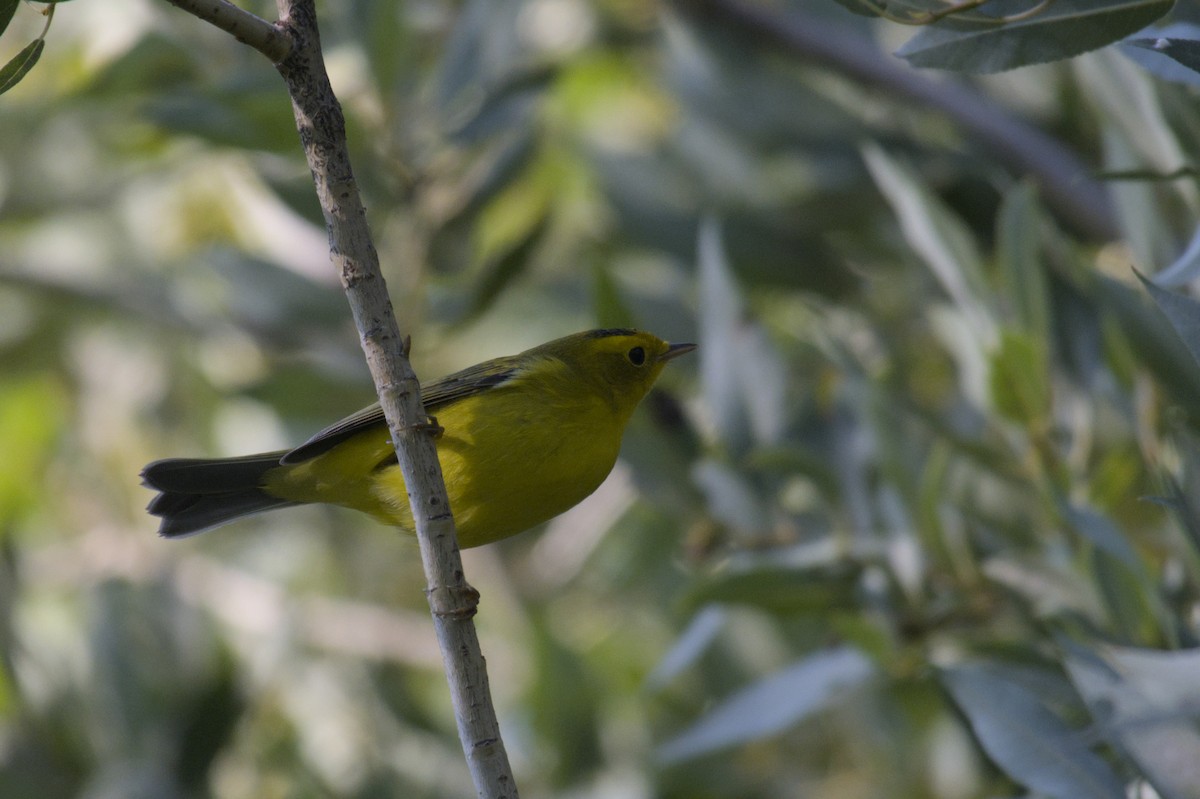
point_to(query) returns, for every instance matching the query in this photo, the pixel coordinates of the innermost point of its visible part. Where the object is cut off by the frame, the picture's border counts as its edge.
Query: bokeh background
(917, 520)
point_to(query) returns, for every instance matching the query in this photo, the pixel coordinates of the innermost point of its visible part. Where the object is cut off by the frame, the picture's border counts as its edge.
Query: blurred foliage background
(918, 519)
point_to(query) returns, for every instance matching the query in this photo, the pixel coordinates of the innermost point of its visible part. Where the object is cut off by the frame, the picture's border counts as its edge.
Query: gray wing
(460, 385)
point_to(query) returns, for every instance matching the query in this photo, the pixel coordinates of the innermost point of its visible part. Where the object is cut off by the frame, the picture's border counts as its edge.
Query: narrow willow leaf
(743, 375)
(1181, 311)
(1169, 679)
(1019, 385)
(967, 327)
(781, 590)
(731, 496)
(1051, 589)
(1183, 508)
(700, 632)
(1155, 342)
(462, 55)
(1018, 248)
(1026, 740)
(1146, 701)
(772, 704)
(1126, 594)
(1066, 28)
(1185, 268)
(7, 9)
(610, 307)
(721, 313)
(1102, 532)
(505, 267)
(12, 72)
(938, 236)
(1185, 51)
(1143, 52)
(858, 7)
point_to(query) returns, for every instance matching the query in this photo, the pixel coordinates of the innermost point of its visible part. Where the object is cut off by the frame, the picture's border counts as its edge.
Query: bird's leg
(430, 425)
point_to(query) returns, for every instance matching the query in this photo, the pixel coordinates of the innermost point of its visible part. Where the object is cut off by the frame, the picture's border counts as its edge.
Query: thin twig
(49, 15)
(1058, 172)
(453, 602)
(241, 24)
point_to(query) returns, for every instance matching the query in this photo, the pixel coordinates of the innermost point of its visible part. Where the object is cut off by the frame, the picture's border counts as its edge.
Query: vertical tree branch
(452, 601)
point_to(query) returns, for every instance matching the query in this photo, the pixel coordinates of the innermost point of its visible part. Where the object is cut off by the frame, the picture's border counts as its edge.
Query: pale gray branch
(453, 602)
(241, 24)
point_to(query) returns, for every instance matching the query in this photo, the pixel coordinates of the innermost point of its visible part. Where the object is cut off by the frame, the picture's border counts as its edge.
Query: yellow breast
(513, 457)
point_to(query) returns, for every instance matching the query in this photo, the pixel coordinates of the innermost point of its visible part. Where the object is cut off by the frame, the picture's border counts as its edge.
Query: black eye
(637, 356)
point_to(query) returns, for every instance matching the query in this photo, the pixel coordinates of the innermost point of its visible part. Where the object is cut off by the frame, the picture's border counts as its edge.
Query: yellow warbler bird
(523, 438)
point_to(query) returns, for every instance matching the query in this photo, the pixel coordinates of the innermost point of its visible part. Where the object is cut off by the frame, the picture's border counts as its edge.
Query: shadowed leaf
(20, 64)
(1026, 740)
(772, 704)
(973, 43)
(1181, 311)
(1185, 51)
(7, 9)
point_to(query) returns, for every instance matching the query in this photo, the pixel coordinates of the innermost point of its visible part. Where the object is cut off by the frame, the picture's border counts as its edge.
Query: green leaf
(972, 43)
(1182, 507)
(152, 65)
(1181, 311)
(463, 55)
(781, 588)
(20, 64)
(741, 372)
(721, 311)
(498, 170)
(1144, 53)
(772, 704)
(1102, 532)
(504, 267)
(250, 116)
(565, 702)
(938, 236)
(1026, 740)
(1018, 248)
(1019, 385)
(1144, 699)
(208, 718)
(1054, 589)
(7, 9)
(731, 496)
(32, 416)
(1185, 51)
(1156, 343)
(691, 644)
(509, 104)
(1136, 133)
(1184, 269)
(1127, 595)
(857, 7)
(610, 308)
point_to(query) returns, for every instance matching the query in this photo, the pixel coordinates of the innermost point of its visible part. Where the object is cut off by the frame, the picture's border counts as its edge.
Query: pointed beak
(675, 350)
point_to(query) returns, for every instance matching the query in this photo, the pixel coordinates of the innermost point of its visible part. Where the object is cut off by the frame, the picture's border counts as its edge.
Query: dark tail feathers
(196, 494)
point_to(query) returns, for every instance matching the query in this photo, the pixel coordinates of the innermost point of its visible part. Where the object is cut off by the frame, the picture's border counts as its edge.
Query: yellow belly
(509, 463)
